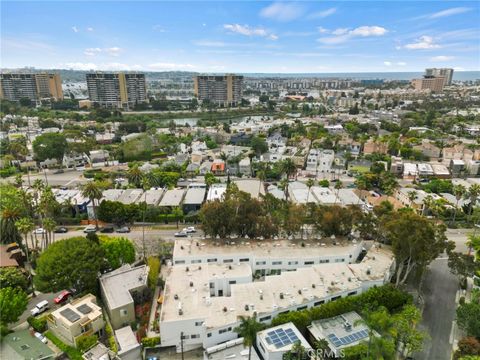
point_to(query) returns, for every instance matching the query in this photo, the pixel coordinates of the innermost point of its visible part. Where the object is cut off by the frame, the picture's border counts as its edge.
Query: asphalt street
(33, 302)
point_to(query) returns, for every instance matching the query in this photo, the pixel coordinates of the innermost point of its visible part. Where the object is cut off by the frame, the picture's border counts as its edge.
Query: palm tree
(472, 194)
(284, 185)
(25, 226)
(224, 158)
(338, 186)
(261, 177)
(428, 203)
(309, 184)
(459, 192)
(49, 225)
(92, 191)
(135, 175)
(248, 329)
(412, 196)
(288, 167)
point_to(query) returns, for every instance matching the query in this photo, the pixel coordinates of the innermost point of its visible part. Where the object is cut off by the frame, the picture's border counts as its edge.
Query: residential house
(273, 343)
(375, 147)
(128, 346)
(194, 198)
(218, 167)
(11, 255)
(120, 290)
(457, 166)
(81, 317)
(428, 149)
(244, 166)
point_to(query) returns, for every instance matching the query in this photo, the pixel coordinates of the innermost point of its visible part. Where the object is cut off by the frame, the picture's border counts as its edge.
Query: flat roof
(264, 248)
(126, 339)
(172, 197)
(276, 292)
(254, 187)
(216, 191)
(281, 338)
(78, 309)
(340, 331)
(117, 284)
(24, 345)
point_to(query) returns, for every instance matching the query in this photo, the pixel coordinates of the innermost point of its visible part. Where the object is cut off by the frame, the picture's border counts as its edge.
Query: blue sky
(241, 36)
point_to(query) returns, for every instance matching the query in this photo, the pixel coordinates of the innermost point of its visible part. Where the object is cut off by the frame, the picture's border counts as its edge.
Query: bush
(85, 342)
(71, 352)
(154, 265)
(461, 301)
(150, 341)
(112, 344)
(39, 324)
(386, 296)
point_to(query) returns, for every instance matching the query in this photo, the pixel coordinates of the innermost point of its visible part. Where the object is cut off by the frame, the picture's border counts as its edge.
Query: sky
(241, 36)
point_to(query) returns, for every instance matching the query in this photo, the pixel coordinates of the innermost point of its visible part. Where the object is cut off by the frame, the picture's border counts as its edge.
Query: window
(339, 260)
(324, 261)
(265, 318)
(123, 312)
(195, 336)
(228, 261)
(352, 293)
(276, 263)
(244, 260)
(261, 262)
(209, 334)
(185, 337)
(212, 285)
(308, 263)
(293, 263)
(198, 323)
(336, 298)
(319, 303)
(196, 261)
(301, 308)
(211, 260)
(261, 346)
(180, 262)
(232, 282)
(222, 331)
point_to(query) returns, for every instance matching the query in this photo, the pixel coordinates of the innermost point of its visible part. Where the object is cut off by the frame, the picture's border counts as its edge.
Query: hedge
(150, 341)
(71, 352)
(112, 344)
(387, 296)
(85, 342)
(39, 324)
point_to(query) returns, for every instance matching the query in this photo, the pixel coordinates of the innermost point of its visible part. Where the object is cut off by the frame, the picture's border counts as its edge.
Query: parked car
(181, 234)
(90, 229)
(40, 337)
(189, 230)
(59, 171)
(39, 308)
(61, 230)
(123, 229)
(39, 231)
(62, 297)
(107, 229)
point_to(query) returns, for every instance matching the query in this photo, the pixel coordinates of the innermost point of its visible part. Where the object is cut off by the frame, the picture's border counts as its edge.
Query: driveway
(34, 301)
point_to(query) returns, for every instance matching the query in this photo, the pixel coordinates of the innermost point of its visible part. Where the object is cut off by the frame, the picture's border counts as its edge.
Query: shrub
(112, 344)
(39, 324)
(461, 301)
(150, 341)
(71, 352)
(85, 342)
(154, 265)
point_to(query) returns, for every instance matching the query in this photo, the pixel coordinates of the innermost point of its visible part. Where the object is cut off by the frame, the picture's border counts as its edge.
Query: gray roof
(126, 339)
(116, 285)
(195, 196)
(172, 197)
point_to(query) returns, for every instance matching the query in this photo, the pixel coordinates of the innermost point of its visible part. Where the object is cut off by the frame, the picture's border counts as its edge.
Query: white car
(90, 229)
(40, 337)
(189, 230)
(39, 231)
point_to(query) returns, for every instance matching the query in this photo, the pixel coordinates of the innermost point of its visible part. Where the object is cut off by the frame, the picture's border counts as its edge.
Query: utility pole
(181, 344)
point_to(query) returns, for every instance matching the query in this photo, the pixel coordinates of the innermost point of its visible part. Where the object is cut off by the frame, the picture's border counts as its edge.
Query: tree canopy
(118, 251)
(49, 146)
(70, 263)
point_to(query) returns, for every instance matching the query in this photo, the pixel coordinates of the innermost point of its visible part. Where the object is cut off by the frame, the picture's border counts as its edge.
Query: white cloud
(441, 58)
(113, 51)
(90, 29)
(92, 51)
(210, 43)
(79, 66)
(281, 11)
(387, 63)
(323, 14)
(158, 28)
(422, 43)
(449, 12)
(401, 63)
(344, 34)
(250, 31)
(171, 66)
(322, 30)
(75, 29)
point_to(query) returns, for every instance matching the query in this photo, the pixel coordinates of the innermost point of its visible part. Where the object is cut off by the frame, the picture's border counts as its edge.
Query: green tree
(13, 277)
(468, 318)
(248, 329)
(70, 263)
(288, 167)
(13, 302)
(92, 191)
(416, 242)
(177, 212)
(135, 176)
(49, 146)
(259, 145)
(118, 250)
(472, 195)
(408, 339)
(25, 226)
(462, 265)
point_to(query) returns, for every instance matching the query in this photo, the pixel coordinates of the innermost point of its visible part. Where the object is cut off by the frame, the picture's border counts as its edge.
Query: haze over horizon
(242, 37)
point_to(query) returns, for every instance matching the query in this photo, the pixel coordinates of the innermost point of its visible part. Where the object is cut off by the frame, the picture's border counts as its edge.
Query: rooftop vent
(191, 283)
(175, 297)
(180, 312)
(246, 307)
(281, 295)
(187, 269)
(313, 286)
(225, 309)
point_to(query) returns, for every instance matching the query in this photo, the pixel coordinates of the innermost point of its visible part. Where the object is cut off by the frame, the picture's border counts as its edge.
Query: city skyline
(267, 37)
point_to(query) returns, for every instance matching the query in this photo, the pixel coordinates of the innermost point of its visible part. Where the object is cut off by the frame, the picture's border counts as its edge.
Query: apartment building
(265, 256)
(119, 289)
(434, 84)
(225, 90)
(116, 90)
(202, 303)
(446, 73)
(81, 317)
(15, 86)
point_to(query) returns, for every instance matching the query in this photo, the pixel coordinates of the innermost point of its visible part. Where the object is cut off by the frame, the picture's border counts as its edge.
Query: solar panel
(84, 309)
(281, 337)
(70, 315)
